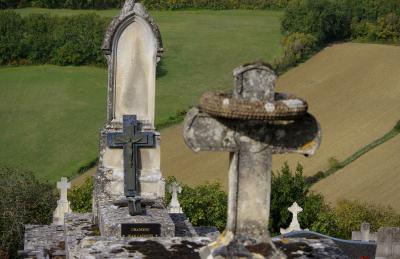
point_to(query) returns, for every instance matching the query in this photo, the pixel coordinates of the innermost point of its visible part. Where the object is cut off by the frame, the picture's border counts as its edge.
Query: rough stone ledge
(155, 248)
(196, 247)
(41, 241)
(77, 227)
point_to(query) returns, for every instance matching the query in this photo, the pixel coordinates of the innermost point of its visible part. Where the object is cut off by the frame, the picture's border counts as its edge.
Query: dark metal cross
(131, 140)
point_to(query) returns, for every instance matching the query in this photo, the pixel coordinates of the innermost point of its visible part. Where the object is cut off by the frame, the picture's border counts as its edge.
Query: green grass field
(51, 115)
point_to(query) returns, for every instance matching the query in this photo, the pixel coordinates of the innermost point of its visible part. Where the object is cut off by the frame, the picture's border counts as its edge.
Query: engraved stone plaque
(141, 230)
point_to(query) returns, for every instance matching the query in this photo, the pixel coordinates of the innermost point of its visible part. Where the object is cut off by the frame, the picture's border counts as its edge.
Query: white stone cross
(295, 209)
(63, 185)
(63, 203)
(174, 205)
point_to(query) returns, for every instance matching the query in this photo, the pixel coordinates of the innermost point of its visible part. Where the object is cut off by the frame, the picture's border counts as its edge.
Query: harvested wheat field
(353, 90)
(374, 177)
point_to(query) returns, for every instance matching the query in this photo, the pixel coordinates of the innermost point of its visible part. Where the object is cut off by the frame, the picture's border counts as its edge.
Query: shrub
(296, 48)
(324, 19)
(24, 200)
(78, 39)
(81, 197)
(363, 30)
(288, 187)
(347, 216)
(204, 205)
(388, 28)
(11, 33)
(397, 126)
(41, 38)
(38, 40)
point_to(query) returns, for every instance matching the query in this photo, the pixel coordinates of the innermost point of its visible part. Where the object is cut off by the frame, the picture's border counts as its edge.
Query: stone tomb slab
(352, 249)
(113, 219)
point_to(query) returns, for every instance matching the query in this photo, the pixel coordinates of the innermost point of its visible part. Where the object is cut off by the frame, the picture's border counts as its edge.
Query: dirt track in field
(352, 89)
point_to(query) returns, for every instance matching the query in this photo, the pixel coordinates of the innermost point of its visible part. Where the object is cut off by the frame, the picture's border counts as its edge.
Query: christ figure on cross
(131, 140)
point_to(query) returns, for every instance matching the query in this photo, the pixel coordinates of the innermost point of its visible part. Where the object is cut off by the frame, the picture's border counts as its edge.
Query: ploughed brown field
(354, 92)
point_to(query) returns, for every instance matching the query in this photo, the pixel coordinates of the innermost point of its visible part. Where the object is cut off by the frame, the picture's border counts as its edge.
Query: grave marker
(252, 123)
(295, 209)
(174, 206)
(62, 204)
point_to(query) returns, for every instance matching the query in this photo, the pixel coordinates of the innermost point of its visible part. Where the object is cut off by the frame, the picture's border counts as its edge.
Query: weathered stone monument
(63, 203)
(129, 186)
(252, 123)
(295, 209)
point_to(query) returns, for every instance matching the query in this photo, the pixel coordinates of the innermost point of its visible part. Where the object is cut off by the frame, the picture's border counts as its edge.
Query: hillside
(353, 90)
(374, 177)
(51, 116)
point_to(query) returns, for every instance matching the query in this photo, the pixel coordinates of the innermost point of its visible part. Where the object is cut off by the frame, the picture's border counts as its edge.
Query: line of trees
(309, 25)
(151, 4)
(47, 39)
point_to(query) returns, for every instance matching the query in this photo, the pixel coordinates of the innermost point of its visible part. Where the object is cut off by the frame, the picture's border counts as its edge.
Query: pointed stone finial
(295, 209)
(174, 205)
(63, 203)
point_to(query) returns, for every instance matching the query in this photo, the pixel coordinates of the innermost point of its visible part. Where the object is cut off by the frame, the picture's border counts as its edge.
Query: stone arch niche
(132, 47)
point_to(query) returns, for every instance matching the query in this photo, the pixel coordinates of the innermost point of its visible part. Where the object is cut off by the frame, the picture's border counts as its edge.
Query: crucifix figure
(131, 140)
(252, 123)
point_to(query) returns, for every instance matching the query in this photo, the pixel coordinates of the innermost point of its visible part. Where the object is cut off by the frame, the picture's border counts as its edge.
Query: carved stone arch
(133, 47)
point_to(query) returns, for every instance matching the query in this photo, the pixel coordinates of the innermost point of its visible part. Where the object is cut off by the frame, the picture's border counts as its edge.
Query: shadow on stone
(161, 70)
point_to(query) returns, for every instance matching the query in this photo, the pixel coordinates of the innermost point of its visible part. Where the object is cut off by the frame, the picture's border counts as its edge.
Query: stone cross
(295, 209)
(131, 140)
(174, 205)
(63, 186)
(63, 203)
(252, 127)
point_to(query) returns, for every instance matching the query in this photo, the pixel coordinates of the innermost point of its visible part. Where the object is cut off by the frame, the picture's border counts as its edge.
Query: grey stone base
(112, 247)
(77, 227)
(111, 217)
(279, 249)
(42, 241)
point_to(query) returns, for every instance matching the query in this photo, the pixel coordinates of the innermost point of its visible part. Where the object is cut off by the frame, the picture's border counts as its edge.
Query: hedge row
(327, 20)
(308, 25)
(151, 4)
(41, 38)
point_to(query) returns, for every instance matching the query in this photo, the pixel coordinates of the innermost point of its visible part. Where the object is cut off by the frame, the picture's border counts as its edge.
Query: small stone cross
(174, 205)
(295, 209)
(63, 185)
(63, 203)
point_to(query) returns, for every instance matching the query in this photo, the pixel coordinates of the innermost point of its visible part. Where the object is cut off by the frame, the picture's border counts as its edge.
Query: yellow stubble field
(353, 90)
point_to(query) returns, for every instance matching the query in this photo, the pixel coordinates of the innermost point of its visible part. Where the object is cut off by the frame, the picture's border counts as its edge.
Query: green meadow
(51, 115)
